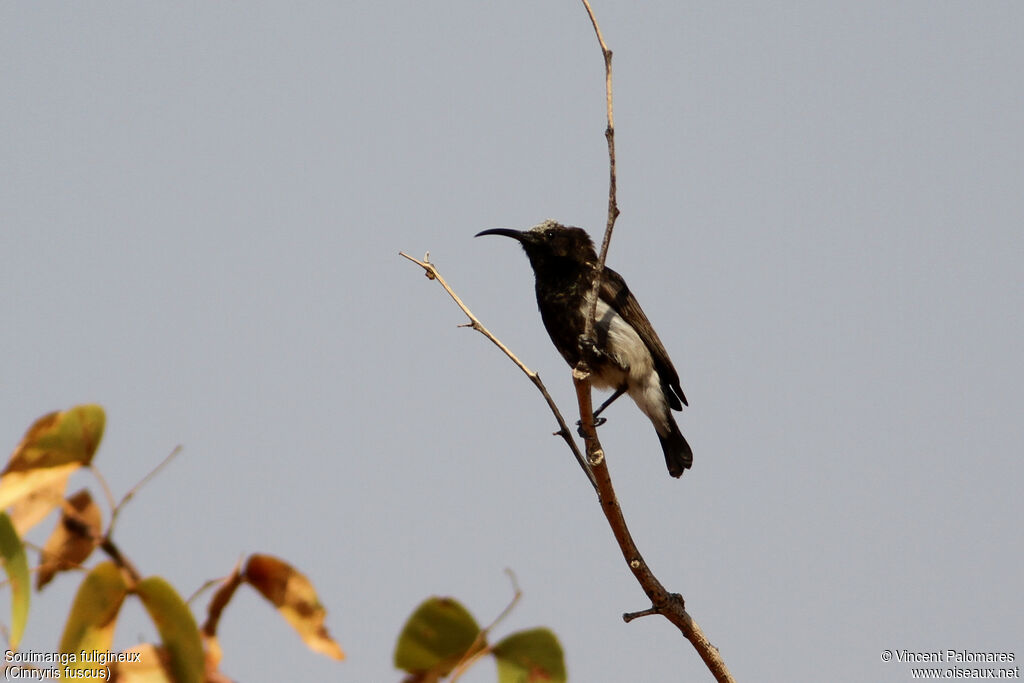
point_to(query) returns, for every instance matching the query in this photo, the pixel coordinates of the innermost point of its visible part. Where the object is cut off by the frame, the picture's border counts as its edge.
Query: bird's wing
(616, 294)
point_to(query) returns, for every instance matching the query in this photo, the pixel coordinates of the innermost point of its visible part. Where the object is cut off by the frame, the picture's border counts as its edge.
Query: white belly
(635, 367)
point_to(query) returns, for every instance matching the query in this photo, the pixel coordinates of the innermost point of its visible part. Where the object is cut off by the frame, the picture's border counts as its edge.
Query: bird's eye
(550, 234)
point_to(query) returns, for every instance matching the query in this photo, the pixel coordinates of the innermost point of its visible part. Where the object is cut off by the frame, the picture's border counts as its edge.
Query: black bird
(628, 357)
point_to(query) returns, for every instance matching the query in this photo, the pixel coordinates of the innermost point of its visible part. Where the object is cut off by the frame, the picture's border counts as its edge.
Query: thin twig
(479, 647)
(613, 207)
(142, 482)
(106, 542)
(103, 485)
(474, 322)
(205, 586)
(517, 593)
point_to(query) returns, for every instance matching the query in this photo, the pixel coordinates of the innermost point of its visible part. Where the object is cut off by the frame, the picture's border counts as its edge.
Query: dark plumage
(630, 357)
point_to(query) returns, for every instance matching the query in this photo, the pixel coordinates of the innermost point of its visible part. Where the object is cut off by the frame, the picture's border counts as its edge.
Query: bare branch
(474, 322)
(671, 605)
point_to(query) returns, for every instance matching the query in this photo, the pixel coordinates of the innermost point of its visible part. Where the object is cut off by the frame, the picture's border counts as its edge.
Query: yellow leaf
(16, 565)
(41, 500)
(18, 485)
(73, 539)
(93, 616)
(295, 598)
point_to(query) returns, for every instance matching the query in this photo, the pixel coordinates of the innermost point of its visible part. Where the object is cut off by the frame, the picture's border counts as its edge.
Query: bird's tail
(678, 455)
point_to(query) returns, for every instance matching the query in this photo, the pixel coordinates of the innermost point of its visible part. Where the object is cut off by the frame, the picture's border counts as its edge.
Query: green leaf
(93, 616)
(530, 657)
(436, 637)
(178, 631)
(16, 565)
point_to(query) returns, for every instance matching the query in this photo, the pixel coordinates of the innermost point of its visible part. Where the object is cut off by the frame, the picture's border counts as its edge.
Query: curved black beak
(506, 232)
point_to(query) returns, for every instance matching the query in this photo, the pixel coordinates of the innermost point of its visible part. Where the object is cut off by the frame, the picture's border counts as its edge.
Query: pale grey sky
(822, 210)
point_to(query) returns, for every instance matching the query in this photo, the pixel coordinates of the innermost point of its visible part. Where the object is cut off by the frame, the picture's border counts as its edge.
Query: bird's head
(551, 244)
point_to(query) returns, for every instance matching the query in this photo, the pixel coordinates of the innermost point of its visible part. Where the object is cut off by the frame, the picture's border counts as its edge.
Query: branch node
(672, 602)
(596, 457)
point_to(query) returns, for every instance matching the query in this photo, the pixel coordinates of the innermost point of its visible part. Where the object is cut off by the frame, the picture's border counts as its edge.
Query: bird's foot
(598, 421)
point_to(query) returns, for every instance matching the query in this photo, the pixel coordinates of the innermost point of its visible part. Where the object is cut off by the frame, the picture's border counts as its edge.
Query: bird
(628, 356)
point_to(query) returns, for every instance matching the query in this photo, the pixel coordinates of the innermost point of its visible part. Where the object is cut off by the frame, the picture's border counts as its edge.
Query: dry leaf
(73, 539)
(53, 447)
(296, 600)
